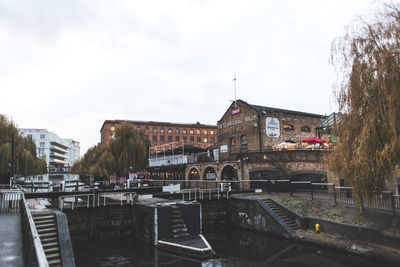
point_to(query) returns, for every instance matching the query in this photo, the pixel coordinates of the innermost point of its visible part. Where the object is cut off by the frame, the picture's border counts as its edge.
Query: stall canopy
(314, 140)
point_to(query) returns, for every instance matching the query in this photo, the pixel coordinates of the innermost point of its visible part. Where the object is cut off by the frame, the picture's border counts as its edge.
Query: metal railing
(75, 201)
(33, 249)
(381, 202)
(10, 200)
(115, 198)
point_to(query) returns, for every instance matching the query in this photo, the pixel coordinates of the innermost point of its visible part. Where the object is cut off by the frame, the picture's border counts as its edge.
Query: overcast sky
(67, 66)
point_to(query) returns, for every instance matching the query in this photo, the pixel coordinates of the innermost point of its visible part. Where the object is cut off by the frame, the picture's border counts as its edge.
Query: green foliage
(127, 152)
(368, 95)
(26, 162)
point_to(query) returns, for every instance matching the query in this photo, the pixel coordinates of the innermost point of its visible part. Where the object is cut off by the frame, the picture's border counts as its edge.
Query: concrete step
(39, 222)
(40, 217)
(49, 244)
(53, 255)
(48, 240)
(55, 262)
(177, 221)
(177, 235)
(47, 225)
(178, 225)
(47, 230)
(50, 250)
(179, 230)
(53, 234)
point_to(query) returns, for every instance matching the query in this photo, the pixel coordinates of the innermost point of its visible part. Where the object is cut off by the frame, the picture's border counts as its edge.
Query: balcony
(172, 160)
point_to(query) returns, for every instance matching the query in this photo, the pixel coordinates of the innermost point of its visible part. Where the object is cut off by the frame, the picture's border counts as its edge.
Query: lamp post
(12, 141)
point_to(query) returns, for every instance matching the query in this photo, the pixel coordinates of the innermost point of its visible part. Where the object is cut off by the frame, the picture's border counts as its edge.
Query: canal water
(233, 247)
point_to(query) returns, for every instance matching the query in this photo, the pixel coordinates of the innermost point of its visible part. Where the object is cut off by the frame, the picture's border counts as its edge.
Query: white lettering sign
(238, 121)
(224, 148)
(272, 128)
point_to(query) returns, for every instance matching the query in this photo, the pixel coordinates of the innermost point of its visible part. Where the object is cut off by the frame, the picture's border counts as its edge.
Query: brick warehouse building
(159, 133)
(250, 128)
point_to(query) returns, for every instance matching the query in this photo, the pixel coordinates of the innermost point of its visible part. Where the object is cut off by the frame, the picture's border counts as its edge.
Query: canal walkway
(11, 240)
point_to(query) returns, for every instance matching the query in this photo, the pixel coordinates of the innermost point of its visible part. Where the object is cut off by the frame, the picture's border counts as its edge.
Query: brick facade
(159, 133)
(243, 128)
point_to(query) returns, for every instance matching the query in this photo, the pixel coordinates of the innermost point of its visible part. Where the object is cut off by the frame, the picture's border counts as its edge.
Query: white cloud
(69, 65)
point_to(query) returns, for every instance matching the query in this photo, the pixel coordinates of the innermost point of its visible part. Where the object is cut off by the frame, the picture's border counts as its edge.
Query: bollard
(317, 228)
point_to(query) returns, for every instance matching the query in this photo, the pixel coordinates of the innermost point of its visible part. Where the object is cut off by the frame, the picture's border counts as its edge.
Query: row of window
(177, 139)
(177, 130)
(290, 127)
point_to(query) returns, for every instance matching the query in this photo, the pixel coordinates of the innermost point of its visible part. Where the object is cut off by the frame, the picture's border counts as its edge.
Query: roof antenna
(234, 86)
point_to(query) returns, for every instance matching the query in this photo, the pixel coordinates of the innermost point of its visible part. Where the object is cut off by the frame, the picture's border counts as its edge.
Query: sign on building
(272, 128)
(224, 148)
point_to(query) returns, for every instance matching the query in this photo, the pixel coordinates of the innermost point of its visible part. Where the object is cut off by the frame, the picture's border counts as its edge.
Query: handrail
(40, 256)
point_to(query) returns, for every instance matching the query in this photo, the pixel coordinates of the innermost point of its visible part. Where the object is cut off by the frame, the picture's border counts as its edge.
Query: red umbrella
(314, 140)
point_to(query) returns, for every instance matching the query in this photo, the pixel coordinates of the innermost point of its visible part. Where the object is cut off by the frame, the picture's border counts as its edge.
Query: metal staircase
(179, 228)
(46, 226)
(281, 213)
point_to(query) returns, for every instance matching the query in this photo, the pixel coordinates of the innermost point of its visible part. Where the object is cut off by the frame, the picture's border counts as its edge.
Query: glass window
(42, 136)
(185, 138)
(288, 127)
(41, 144)
(212, 132)
(147, 137)
(191, 139)
(177, 138)
(184, 131)
(155, 138)
(191, 131)
(162, 138)
(146, 129)
(211, 139)
(205, 132)
(197, 131)
(112, 128)
(205, 140)
(154, 129)
(169, 138)
(198, 139)
(162, 130)
(138, 127)
(305, 129)
(177, 130)
(169, 130)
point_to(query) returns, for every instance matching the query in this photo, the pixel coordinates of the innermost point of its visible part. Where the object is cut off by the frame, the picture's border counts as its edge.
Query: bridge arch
(194, 174)
(229, 172)
(209, 173)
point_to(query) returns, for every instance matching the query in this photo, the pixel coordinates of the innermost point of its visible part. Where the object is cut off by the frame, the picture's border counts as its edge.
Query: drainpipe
(259, 115)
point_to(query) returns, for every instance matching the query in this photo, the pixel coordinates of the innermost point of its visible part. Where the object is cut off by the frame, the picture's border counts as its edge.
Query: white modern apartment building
(59, 153)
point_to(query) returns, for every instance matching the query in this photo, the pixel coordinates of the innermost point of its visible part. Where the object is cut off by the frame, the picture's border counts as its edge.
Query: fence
(383, 201)
(9, 199)
(95, 199)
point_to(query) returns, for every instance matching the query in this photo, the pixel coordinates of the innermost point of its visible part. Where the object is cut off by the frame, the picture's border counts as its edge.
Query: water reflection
(234, 247)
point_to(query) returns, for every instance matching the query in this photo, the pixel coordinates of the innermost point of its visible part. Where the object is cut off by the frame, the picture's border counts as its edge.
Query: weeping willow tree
(26, 162)
(127, 152)
(368, 95)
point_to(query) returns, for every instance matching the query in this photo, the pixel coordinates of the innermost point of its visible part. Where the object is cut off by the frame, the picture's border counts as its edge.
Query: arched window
(177, 130)
(305, 129)
(184, 131)
(162, 130)
(191, 131)
(288, 127)
(154, 129)
(146, 129)
(212, 132)
(169, 130)
(205, 132)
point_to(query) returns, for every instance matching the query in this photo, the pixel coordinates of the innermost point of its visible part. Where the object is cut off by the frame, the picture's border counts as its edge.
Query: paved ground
(10, 240)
